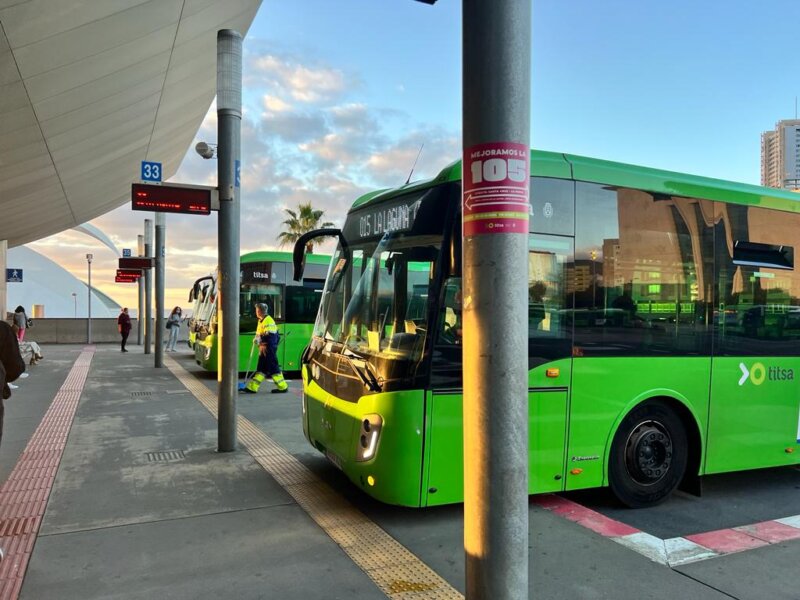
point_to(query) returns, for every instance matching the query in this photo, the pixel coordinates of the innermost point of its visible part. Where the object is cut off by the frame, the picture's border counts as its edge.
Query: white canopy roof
(90, 89)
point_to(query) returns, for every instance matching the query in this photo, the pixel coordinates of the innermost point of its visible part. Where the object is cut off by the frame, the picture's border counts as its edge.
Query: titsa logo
(758, 373)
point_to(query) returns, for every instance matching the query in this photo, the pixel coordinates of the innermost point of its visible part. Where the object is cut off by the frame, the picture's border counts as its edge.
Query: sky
(339, 96)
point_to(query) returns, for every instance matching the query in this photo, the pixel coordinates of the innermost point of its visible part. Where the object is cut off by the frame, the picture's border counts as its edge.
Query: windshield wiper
(362, 369)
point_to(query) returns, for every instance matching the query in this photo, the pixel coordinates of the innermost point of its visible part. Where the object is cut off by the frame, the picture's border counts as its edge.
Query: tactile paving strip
(23, 497)
(395, 570)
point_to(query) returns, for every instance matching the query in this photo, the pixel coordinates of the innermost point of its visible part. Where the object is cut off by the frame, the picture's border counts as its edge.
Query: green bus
(663, 326)
(265, 277)
(202, 297)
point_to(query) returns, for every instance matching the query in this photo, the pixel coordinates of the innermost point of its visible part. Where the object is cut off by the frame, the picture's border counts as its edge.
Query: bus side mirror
(299, 254)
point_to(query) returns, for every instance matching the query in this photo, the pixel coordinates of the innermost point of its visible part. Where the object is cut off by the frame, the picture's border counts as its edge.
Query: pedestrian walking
(267, 338)
(124, 326)
(174, 325)
(20, 323)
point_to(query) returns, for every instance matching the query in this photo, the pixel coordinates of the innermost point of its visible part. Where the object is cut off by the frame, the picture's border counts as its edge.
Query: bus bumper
(376, 441)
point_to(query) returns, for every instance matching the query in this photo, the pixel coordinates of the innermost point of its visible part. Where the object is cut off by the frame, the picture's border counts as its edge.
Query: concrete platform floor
(143, 506)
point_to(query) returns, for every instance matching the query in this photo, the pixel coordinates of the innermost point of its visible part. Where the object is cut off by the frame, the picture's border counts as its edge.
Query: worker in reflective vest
(267, 338)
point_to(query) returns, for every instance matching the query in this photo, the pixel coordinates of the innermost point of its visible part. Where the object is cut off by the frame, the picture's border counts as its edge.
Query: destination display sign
(396, 215)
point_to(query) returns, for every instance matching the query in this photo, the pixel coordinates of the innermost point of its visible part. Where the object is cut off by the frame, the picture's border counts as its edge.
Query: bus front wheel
(648, 455)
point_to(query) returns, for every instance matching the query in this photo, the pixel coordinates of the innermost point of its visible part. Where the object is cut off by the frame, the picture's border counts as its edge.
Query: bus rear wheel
(648, 455)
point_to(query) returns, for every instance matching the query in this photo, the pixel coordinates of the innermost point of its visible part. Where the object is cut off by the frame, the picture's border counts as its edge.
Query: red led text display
(170, 199)
(129, 273)
(127, 276)
(135, 262)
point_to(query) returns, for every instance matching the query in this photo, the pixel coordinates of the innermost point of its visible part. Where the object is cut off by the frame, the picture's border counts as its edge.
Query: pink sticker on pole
(496, 188)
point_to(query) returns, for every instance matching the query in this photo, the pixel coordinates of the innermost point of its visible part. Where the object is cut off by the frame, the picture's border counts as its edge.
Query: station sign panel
(170, 198)
(151, 171)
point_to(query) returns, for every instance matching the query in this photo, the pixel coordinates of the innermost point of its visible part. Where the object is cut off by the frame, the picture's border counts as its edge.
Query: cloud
(286, 76)
(436, 148)
(306, 137)
(274, 104)
(296, 127)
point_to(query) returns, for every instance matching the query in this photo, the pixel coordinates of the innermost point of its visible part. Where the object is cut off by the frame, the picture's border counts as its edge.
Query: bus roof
(593, 170)
(277, 256)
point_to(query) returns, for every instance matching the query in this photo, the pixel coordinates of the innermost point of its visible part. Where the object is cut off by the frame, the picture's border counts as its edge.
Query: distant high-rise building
(780, 155)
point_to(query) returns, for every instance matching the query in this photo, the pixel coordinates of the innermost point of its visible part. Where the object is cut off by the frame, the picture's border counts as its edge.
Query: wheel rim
(648, 453)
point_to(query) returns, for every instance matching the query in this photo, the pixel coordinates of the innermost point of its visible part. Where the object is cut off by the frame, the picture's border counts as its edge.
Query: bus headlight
(368, 437)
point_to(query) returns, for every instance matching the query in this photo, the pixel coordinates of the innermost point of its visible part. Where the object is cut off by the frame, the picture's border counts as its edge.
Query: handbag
(170, 324)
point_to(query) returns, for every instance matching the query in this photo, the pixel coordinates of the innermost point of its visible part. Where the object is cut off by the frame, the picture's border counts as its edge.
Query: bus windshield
(376, 300)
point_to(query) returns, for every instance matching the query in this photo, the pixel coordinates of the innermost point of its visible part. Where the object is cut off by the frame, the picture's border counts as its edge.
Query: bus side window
(450, 319)
(302, 301)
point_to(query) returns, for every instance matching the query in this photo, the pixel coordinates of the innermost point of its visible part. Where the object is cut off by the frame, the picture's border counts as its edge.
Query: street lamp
(75, 300)
(89, 319)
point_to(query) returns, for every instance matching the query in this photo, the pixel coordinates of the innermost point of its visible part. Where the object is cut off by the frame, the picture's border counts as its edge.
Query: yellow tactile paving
(395, 570)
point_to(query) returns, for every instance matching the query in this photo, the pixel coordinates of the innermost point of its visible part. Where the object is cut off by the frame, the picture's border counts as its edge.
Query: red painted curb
(23, 497)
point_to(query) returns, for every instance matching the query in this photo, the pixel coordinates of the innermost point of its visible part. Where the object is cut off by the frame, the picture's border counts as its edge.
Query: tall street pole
(140, 283)
(161, 225)
(89, 314)
(229, 124)
(148, 287)
(495, 208)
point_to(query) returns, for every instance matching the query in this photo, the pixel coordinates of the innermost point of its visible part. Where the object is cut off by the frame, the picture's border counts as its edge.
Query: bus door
(550, 346)
(549, 358)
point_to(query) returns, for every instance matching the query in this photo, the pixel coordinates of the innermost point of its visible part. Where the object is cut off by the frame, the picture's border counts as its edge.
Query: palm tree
(305, 219)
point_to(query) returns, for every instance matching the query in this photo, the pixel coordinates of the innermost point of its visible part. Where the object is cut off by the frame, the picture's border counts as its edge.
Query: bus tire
(648, 455)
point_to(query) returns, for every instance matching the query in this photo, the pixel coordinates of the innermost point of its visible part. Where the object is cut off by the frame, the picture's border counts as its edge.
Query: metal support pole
(496, 126)
(3, 284)
(148, 288)
(229, 124)
(140, 283)
(161, 222)
(89, 315)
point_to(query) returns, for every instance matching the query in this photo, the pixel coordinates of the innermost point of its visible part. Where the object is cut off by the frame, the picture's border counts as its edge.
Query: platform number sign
(126, 253)
(151, 171)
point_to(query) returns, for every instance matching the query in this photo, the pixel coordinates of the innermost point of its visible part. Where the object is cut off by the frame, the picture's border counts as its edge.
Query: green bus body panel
(333, 427)
(285, 257)
(294, 339)
(445, 445)
(604, 390)
(754, 424)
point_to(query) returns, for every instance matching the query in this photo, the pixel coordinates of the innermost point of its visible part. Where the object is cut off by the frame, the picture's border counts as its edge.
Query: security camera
(206, 150)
